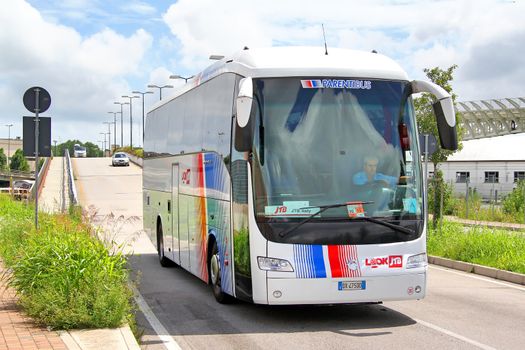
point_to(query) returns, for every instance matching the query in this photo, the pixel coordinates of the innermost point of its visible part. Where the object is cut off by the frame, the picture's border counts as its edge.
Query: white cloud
(418, 34)
(140, 8)
(84, 75)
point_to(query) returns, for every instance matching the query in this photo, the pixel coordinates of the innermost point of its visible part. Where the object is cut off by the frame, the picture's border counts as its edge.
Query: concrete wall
(13, 144)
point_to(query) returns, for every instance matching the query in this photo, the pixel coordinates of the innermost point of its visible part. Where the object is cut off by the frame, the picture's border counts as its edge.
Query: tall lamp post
(130, 119)
(160, 89)
(121, 122)
(115, 127)
(142, 93)
(109, 135)
(8, 144)
(104, 144)
(101, 146)
(181, 77)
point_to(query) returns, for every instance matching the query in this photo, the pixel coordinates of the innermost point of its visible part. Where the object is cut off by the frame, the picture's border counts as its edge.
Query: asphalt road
(461, 311)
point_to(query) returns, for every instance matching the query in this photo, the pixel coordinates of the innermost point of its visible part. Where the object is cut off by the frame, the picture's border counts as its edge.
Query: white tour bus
(290, 176)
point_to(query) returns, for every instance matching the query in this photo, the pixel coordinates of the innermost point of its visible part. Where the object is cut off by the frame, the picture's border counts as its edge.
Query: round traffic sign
(30, 99)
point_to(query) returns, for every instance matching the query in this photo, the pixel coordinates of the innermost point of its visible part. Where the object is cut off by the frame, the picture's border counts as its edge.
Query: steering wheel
(373, 191)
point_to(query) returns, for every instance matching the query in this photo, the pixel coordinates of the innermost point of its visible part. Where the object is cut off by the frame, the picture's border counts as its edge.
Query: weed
(64, 275)
(479, 245)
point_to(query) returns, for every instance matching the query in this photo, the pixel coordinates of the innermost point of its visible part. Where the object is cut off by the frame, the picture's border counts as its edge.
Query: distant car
(120, 158)
(79, 151)
(23, 184)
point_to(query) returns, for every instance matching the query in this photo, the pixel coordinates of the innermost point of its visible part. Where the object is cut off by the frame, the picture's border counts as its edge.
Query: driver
(370, 174)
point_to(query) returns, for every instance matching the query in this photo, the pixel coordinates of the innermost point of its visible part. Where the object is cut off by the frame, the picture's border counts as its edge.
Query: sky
(89, 53)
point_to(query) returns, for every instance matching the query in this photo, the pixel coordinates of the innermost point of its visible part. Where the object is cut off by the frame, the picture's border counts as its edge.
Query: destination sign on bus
(336, 84)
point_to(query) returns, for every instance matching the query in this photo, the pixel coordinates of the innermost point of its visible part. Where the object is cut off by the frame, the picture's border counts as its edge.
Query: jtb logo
(280, 210)
(393, 261)
(186, 177)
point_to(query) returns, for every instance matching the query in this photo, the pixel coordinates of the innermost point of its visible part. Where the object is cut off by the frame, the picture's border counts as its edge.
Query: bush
(139, 152)
(513, 203)
(496, 248)
(436, 185)
(65, 277)
(19, 162)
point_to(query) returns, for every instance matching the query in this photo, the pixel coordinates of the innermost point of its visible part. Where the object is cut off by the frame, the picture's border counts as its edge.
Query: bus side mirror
(444, 112)
(244, 102)
(243, 109)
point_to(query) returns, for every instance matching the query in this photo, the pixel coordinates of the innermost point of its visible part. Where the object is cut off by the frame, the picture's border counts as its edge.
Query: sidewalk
(17, 331)
(51, 197)
(490, 224)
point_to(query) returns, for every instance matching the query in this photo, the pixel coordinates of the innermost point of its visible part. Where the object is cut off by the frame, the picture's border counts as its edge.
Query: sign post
(37, 100)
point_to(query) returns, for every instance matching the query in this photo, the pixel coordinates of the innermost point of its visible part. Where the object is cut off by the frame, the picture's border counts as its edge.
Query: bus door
(175, 247)
(183, 229)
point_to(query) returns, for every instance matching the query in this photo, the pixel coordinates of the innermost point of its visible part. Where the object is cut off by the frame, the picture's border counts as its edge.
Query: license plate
(351, 285)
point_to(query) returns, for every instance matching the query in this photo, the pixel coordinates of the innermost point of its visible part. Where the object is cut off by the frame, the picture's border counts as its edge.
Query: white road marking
(455, 335)
(161, 331)
(486, 279)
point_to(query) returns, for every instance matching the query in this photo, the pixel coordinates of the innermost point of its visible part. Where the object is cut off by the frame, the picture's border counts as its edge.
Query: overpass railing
(73, 199)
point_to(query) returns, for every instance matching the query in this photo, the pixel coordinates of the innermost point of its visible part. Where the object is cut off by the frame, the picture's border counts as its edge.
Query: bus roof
(299, 62)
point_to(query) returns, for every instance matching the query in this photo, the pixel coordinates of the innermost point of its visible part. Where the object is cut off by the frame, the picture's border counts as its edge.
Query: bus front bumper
(345, 291)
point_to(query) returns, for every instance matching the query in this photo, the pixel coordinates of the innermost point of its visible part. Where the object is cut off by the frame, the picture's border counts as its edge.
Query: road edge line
(158, 327)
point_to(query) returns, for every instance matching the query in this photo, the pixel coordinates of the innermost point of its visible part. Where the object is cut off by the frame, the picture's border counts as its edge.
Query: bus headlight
(273, 264)
(419, 260)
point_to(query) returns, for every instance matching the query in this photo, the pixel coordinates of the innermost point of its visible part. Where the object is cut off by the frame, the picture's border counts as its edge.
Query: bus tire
(164, 262)
(214, 268)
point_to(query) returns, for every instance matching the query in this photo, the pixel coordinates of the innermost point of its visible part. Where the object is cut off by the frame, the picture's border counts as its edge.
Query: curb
(491, 272)
(93, 339)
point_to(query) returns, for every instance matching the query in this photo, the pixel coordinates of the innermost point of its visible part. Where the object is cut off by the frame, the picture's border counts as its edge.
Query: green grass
(501, 249)
(64, 276)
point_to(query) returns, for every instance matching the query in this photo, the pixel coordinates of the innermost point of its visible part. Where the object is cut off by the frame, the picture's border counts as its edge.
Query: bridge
(489, 118)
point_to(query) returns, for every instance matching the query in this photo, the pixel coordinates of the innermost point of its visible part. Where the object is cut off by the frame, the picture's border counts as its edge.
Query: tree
(426, 122)
(3, 159)
(92, 150)
(19, 162)
(425, 115)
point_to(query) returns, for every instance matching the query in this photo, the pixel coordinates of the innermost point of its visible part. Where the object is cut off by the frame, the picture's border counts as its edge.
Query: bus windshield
(325, 142)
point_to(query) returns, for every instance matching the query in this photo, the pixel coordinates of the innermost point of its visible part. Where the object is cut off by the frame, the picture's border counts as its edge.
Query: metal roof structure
(489, 118)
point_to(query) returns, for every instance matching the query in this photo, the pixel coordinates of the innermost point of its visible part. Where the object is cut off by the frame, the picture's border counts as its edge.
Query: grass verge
(64, 276)
(500, 249)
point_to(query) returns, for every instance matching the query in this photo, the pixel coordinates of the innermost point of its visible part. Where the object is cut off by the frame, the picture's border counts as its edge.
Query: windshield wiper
(322, 209)
(395, 227)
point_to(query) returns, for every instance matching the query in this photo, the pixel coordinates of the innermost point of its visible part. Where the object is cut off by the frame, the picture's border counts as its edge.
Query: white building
(490, 165)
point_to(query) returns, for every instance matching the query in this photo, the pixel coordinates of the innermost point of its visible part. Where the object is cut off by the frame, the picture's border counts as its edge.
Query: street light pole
(142, 93)
(121, 122)
(181, 77)
(8, 144)
(130, 120)
(109, 135)
(114, 128)
(160, 89)
(104, 144)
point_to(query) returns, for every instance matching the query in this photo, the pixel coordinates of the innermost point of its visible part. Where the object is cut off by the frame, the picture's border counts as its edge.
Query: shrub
(65, 277)
(513, 203)
(496, 248)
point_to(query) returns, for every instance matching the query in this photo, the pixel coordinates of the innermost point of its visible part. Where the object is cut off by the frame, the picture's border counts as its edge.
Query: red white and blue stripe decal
(311, 84)
(309, 261)
(344, 261)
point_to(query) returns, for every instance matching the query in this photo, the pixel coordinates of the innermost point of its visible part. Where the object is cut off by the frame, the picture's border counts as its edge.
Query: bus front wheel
(214, 267)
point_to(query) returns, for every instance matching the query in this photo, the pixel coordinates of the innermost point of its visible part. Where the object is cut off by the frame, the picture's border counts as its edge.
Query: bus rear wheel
(214, 268)
(164, 262)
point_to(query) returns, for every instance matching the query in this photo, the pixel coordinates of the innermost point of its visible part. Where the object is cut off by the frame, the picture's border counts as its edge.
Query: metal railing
(73, 199)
